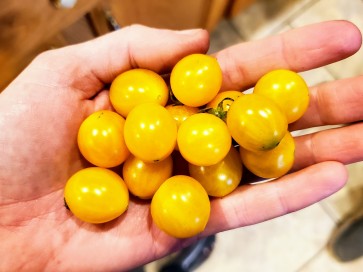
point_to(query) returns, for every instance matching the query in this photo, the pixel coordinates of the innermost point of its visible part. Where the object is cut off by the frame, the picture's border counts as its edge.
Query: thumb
(89, 66)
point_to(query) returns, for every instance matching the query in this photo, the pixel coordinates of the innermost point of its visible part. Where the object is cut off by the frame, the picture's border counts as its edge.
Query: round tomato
(142, 178)
(180, 113)
(135, 87)
(96, 195)
(220, 104)
(287, 89)
(196, 79)
(272, 163)
(222, 178)
(150, 132)
(226, 97)
(256, 122)
(101, 139)
(204, 139)
(181, 207)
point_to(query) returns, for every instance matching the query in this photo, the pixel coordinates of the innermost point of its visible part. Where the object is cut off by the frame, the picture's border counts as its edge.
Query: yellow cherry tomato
(273, 163)
(135, 87)
(142, 178)
(150, 132)
(180, 113)
(221, 103)
(256, 122)
(228, 97)
(222, 178)
(101, 139)
(203, 139)
(289, 91)
(181, 207)
(196, 79)
(96, 195)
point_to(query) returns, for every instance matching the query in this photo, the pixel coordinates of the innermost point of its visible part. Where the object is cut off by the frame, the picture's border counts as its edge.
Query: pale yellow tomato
(101, 139)
(143, 178)
(272, 163)
(287, 89)
(256, 122)
(196, 79)
(203, 139)
(221, 103)
(96, 195)
(222, 178)
(180, 113)
(150, 132)
(135, 87)
(181, 207)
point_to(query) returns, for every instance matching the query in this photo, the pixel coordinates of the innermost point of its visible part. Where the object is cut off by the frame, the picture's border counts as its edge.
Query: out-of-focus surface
(28, 28)
(296, 242)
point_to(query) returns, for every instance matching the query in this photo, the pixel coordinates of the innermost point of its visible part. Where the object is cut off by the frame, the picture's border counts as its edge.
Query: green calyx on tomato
(256, 122)
(219, 111)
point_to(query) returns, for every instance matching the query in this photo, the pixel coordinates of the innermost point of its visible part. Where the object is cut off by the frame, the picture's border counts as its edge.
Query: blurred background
(30, 27)
(296, 242)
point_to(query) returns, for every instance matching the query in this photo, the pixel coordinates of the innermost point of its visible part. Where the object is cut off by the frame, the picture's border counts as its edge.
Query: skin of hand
(42, 109)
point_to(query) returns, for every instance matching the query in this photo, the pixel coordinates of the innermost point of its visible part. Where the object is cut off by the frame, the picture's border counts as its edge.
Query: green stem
(218, 111)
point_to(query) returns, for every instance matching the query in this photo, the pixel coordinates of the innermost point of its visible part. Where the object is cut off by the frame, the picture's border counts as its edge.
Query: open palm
(41, 111)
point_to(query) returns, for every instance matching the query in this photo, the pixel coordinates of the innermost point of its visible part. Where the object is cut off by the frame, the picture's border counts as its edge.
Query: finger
(333, 103)
(88, 66)
(298, 50)
(252, 204)
(101, 102)
(342, 144)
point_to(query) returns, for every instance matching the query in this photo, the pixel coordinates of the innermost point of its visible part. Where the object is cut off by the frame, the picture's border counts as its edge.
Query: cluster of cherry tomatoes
(176, 144)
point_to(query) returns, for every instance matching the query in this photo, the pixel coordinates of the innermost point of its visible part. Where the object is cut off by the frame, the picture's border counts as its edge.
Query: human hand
(41, 111)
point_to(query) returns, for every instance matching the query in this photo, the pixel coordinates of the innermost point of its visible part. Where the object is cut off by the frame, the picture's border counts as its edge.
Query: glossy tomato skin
(101, 139)
(180, 113)
(181, 207)
(150, 132)
(287, 89)
(196, 79)
(135, 87)
(221, 103)
(228, 97)
(96, 195)
(142, 178)
(203, 139)
(222, 178)
(256, 123)
(272, 163)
